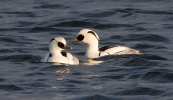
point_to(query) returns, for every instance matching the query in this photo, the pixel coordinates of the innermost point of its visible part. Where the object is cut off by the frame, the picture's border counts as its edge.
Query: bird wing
(74, 59)
(118, 50)
(45, 58)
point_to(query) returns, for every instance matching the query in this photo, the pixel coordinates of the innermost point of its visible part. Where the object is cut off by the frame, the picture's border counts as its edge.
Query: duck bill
(74, 40)
(67, 47)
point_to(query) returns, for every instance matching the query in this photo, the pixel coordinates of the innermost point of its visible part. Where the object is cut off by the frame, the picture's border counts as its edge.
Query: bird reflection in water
(63, 69)
(91, 62)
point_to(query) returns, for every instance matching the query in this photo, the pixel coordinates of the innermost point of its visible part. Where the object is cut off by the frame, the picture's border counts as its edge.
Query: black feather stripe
(52, 40)
(99, 53)
(106, 47)
(93, 34)
(50, 55)
(64, 54)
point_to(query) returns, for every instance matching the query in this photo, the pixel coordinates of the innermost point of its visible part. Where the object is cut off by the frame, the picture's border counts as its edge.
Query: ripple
(2, 80)
(41, 29)
(20, 58)
(94, 25)
(34, 74)
(6, 51)
(32, 68)
(146, 37)
(73, 24)
(76, 81)
(44, 48)
(155, 12)
(25, 24)
(141, 91)
(21, 14)
(13, 29)
(96, 97)
(108, 26)
(116, 77)
(140, 62)
(134, 76)
(37, 85)
(8, 39)
(99, 14)
(15, 39)
(160, 75)
(148, 46)
(154, 57)
(116, 37)
(51, 6)
(10, 88)
(113, 70)
(144, 60)
(52, 68)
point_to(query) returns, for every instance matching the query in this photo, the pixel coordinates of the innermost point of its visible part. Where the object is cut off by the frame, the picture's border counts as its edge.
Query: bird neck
(55, 51)
(93, 46)
(92, 50)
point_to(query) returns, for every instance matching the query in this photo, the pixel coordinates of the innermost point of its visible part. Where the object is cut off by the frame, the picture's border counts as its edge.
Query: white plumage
(56, 45)
(91, 38)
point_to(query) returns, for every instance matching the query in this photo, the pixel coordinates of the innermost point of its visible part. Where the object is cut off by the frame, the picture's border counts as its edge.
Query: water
(26, 27)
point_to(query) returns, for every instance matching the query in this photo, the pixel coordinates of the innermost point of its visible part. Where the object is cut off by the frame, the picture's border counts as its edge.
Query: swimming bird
(91, 38)
(56, 45)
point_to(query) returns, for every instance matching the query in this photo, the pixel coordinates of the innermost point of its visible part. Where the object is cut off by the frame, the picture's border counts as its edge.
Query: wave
(10, 87)
(20, 58)
(2, 80)
(143, 37)
(96, 97)
(51, 6)
(155, 12)
(21, 13)
(41, 29)
(158, 76)
(141, 91)
(95, 25)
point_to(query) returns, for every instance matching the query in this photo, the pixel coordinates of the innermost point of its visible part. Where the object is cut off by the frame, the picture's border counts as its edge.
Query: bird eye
(60, 44)
(80, 37)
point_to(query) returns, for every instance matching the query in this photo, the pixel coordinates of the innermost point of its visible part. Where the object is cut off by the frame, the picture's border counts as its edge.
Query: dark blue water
(26, 27)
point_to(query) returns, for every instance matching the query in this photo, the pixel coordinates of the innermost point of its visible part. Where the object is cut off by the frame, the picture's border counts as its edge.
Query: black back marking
(50, 55)
(99, 53)
(80, 37)
(60, 44)
(106, 47)
(52, 40)
(93, 34)
(64, 54)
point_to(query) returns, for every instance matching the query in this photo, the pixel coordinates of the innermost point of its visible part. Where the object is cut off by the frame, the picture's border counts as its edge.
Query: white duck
(91, 38)
(56, 45)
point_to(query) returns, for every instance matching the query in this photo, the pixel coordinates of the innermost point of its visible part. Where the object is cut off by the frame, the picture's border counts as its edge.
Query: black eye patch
(60, 44)
(80, 37)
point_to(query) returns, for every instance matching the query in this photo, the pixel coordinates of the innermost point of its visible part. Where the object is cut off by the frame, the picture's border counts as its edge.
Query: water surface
(26, 27)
